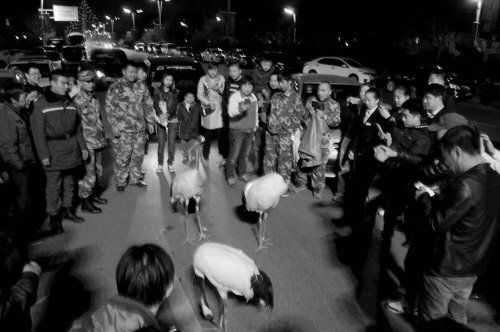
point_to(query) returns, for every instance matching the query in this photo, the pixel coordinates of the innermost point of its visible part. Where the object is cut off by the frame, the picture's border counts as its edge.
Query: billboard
(65, 13)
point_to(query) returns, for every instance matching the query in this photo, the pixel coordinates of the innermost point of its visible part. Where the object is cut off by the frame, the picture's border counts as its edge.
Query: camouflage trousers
(93, 171)
(278, 156)
(317, 173)
(129, 154)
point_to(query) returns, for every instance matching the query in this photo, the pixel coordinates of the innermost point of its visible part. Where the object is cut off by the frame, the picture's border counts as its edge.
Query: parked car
(213, 55)
(169, 48)
(72, 58)
(10, 77)
(340, 66)
(108, 64)
(186, 71)
(279, 59)
(342, 88)
(239, 55)
(11, 55)
(140, 47)
(55, 57)
(44, 65)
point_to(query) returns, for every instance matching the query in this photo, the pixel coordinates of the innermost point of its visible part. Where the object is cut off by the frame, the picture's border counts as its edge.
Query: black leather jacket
(465, 218)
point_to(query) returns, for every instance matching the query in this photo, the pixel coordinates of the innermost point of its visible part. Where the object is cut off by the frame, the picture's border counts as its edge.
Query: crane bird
(189, 185)
(230, 270)
(261, 195)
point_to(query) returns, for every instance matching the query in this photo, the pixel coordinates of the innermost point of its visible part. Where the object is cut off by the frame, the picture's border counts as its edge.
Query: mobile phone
(380, 130)
(315, 104)
(247, 102)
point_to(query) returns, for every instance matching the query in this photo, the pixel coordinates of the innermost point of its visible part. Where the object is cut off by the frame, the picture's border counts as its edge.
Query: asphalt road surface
(314, 290)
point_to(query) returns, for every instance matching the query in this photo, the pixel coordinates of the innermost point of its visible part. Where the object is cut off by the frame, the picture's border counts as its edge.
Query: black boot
(56, 224)
(70, 215)
(88, 206)
(99, 200)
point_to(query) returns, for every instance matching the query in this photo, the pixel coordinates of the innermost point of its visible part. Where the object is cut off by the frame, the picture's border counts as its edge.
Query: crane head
(262, 290)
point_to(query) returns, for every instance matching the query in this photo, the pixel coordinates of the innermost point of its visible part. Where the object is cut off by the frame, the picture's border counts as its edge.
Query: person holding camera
(242, 111)
(210, 92)
(328, 110)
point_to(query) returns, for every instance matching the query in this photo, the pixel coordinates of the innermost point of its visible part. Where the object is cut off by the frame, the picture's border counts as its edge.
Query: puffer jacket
(16, 147)
(119, 314)
(465, 219)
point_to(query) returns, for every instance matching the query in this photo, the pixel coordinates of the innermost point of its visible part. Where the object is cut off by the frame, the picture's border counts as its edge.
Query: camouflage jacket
(332, 112)
(90, 116)
(129, 106)
(287, 112)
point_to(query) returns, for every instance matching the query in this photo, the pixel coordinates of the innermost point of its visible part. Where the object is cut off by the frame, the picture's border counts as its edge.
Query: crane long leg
(263, 242)
(223, 307)
(186, 221)
(205, 309)
(201, 228)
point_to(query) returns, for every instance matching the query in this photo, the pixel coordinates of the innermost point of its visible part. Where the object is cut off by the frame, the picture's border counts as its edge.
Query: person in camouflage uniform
(328, 110)
(129, 106)
(285, 116)
(93, 133)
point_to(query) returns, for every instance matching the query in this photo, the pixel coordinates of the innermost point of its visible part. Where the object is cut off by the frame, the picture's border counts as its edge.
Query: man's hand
(420, 192)
(74, 91)
(260, 103)
(263, 117)
(350, 155)
(116, 132)
(380, 154)
(85, 154)
(32, 267)
(151, 128)
(486, 145)
(384, 112)
(321, 114)
(4, 177)
(46, 162)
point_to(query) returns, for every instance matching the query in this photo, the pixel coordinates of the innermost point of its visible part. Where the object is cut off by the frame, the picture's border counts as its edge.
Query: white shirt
(431, 114)
(369, 113)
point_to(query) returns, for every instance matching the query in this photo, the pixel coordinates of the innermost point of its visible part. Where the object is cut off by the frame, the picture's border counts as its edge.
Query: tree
(86, 18)
(34, 28)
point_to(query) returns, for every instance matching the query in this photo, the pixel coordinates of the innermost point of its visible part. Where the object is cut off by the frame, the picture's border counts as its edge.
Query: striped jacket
(57, 132)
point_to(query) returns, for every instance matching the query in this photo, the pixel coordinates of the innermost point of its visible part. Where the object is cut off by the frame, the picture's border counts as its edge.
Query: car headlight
(99, 74)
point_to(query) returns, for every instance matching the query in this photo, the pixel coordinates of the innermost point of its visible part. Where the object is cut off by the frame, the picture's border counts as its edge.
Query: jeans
(445, 296)
(240, 144)
(170, 140)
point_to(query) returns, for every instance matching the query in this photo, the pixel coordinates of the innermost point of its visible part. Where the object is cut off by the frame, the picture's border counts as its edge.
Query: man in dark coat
(60, 145)
(464, 219)
(17, 150)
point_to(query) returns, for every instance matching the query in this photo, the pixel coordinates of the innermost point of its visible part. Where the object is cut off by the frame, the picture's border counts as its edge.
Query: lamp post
(41, 16)
(291, 12)
(478, 16)
(159, 3)
(112, 20)
(132, 12)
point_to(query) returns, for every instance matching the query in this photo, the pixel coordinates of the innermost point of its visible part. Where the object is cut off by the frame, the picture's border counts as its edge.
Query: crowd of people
(437, 174)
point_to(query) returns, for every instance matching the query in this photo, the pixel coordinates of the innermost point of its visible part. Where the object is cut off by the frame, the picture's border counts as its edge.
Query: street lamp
(131, 12)
(184, 25)
(218, 18)
(160, 9)
(478, 16)
(290, 11)
(112, 20)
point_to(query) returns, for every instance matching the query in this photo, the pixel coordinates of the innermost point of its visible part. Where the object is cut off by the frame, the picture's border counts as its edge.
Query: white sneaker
(159, 169)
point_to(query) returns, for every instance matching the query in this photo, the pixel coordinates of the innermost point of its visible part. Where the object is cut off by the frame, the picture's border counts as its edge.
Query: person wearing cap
(464, 220)
(93, 132)
(210, 93)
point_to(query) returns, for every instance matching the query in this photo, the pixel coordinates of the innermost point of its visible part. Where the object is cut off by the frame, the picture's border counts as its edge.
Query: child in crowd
(144, 278)
(189, 112)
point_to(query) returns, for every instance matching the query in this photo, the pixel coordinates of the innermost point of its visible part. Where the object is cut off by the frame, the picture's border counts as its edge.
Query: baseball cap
(86, 75)
(448, 121)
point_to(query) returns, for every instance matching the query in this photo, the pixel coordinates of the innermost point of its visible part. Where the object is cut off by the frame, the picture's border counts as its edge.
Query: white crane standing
(190, 184)
(230, 270)
(261, 195)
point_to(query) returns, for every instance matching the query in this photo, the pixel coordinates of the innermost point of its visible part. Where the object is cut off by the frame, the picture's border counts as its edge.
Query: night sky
(356, 17)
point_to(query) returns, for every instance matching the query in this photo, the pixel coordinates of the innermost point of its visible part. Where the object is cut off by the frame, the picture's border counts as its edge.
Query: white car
(340, 66)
